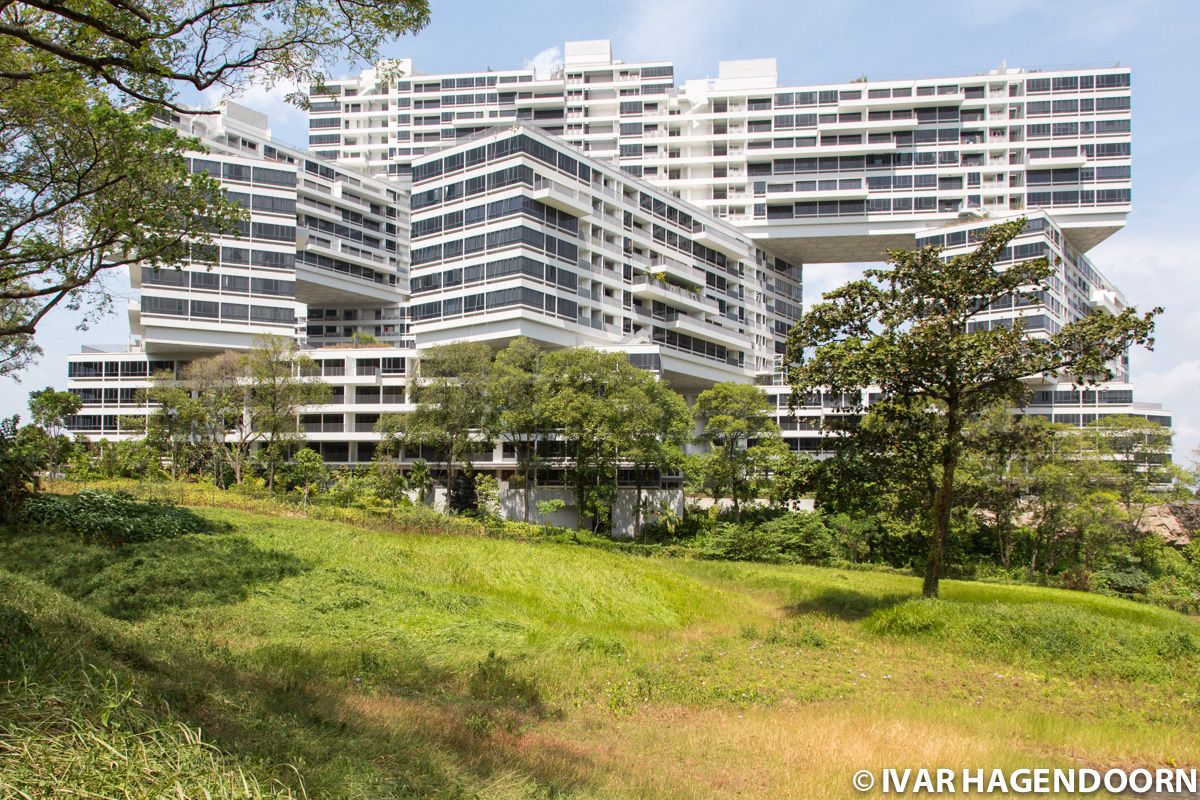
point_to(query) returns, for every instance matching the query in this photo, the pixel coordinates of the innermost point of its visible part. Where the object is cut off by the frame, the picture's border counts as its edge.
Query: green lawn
(332, 661)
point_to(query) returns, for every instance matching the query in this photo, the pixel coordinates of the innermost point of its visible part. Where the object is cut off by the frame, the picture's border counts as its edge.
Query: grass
(328, 660)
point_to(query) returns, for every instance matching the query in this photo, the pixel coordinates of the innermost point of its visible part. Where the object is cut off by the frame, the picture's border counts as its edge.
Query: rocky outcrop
(1176, 523)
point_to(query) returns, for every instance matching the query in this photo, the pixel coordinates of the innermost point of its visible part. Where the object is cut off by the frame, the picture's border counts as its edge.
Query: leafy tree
(1002, 452)
(1140, 452)
(307, 471)
(739, 427)
(388, 480)
(150, 49)
(547, 509)
(420, 479)
(450, 390)
(794, 476)
(20, 460)
(87, 183)
(653, 423)
(883, 468)
(518, 413)
(487, 495)
(170, 426)
(581, 393)
(85, 187)
(220, 417)
(905, 329)
(49, 409)
(280, 386)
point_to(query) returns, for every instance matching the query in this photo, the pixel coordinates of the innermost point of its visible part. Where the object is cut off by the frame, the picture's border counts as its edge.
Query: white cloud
(1159, 267)
(545, 62)
(682, 31)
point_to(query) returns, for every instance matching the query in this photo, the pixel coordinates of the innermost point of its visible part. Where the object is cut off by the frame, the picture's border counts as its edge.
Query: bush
(1123, 576)
(793, 538)
(112, 518)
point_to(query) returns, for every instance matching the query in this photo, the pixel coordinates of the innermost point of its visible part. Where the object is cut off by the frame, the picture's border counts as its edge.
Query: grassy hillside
(323, 660)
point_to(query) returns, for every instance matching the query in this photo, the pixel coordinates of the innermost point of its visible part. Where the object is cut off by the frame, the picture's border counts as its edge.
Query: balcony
(573, 202)
(1106, 300)
(912, 101)
(1055, 163)
(674, 269)
(728, 244)
(650, 288)
(698, 327)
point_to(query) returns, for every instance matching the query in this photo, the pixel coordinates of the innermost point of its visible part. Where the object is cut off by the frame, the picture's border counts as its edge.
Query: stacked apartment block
(608, 205)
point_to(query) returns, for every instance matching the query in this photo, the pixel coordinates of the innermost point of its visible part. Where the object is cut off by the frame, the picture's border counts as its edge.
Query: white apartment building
(516, 233)
(833, 173)
(608, 205)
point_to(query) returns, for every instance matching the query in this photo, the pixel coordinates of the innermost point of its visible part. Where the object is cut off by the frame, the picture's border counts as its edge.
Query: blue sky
(1153, 260)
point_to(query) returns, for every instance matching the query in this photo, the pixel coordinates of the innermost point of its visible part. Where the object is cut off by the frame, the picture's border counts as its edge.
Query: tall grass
(338, 660)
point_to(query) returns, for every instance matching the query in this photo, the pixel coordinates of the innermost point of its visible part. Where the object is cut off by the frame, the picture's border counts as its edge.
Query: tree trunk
(637, 506)
(525, 477)
(942, 504)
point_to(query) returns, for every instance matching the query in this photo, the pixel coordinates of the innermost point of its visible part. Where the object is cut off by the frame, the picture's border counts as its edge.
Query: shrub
(793, 538)
(112, 518)
(1124, 575)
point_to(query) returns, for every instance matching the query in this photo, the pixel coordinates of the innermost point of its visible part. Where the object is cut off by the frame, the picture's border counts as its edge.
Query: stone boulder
(1174, 522)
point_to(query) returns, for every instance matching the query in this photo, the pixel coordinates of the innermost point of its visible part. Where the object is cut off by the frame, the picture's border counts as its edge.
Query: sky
(1154, 260)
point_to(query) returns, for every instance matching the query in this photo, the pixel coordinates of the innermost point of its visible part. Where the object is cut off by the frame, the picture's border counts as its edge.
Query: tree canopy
(904, 328)
(88, 182)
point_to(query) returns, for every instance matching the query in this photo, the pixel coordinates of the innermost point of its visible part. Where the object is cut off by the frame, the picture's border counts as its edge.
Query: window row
(495, 270)
(496, 240)
(497, 209)
(210, 309)
(549, 304)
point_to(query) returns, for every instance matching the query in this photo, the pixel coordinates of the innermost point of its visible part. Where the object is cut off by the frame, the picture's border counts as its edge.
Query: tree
(220, 416)
(450, 390)
(280, 385)
(49, 409)
(148, 50)
(518, 414)
(1002, 453)
(87, 182)
(905, 329)
(389, 481)
(1140, 451)
(85, 187)
(579, 390)
(652, 425)
(20, 460)
(307, 471)
(170, 427)
(738, 425)
(420, 480)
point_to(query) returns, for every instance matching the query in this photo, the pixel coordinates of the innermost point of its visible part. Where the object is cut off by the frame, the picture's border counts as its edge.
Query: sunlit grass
(350, 659)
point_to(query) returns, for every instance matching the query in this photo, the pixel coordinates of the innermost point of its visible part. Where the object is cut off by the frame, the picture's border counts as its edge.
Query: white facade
(836, 172)
(608, 205)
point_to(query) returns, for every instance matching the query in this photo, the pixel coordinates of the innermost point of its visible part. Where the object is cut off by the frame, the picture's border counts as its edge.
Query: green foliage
(89, 183)
(790, 538)
(307, 472)
(605, 411)
(111, 518)
(20, 459)
(449, 390)
(487, 495)
(49, 409)
(906, 330)
(283, 382)
(739, 427)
